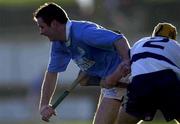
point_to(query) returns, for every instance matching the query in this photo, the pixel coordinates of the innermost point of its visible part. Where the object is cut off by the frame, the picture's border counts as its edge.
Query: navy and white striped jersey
(151, 54)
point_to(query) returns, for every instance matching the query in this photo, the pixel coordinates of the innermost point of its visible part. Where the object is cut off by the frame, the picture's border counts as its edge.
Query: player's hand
(47, 112)
(112, 80)
(124, 68)
(119, 84)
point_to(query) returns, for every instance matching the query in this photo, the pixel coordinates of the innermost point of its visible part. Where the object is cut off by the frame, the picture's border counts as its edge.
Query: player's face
(45, 29)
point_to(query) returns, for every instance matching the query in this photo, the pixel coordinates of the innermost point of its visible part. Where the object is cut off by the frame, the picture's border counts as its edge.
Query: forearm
(119, 73)
(122, 46)
(48, 88)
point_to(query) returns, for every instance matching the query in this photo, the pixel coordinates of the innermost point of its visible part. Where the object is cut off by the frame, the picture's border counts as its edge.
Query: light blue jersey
(90, 46)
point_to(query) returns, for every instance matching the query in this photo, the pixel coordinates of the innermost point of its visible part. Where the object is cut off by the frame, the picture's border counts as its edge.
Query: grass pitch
(77, 122)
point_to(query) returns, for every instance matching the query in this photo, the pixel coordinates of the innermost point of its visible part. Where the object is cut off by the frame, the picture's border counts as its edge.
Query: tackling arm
(122, 46)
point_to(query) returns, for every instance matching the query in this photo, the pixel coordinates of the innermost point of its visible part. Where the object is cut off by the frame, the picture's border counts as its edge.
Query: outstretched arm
(47, 91)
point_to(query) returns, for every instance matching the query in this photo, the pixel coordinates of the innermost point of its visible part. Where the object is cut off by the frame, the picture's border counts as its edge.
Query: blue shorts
(149, 92)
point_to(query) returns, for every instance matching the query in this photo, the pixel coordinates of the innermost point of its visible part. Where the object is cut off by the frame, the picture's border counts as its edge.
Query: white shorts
(116, 92)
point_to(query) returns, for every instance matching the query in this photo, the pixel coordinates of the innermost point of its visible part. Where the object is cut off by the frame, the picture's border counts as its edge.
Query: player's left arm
(122, 46)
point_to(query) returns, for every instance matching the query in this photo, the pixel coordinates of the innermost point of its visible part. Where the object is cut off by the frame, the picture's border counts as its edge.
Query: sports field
(17, 14)
(75, 122)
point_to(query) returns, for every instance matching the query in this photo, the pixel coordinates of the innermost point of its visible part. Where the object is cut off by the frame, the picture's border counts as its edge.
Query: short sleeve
(59, 58)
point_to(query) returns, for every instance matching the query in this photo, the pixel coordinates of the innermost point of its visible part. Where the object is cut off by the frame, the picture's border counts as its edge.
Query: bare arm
(48, 87)
(122, 46)
(47, 92)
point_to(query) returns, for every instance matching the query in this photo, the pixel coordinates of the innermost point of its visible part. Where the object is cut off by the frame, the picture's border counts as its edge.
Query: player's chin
(51, 39)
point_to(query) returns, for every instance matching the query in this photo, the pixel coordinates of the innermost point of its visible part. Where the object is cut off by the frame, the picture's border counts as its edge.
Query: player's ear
(53, 23)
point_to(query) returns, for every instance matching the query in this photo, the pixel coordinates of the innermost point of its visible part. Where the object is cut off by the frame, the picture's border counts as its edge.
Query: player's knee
(125, 118)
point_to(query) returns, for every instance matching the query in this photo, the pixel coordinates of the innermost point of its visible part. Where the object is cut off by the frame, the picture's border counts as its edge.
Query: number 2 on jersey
(154, 40)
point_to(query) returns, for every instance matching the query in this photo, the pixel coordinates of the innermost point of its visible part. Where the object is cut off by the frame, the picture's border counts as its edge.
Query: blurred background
(24, 53)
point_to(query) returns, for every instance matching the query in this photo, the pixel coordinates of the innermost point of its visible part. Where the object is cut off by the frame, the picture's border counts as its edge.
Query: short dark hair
(50, 11)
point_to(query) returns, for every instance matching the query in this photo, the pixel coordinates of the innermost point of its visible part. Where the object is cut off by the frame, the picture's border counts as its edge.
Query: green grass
(159, 122)
(76, 122)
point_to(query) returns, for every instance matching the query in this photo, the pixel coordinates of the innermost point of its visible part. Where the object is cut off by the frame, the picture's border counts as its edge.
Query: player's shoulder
(141, 41)
(82, 23)
(80, 27)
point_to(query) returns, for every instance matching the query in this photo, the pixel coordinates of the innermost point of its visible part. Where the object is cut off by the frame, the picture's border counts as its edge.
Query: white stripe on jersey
(166, 49)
